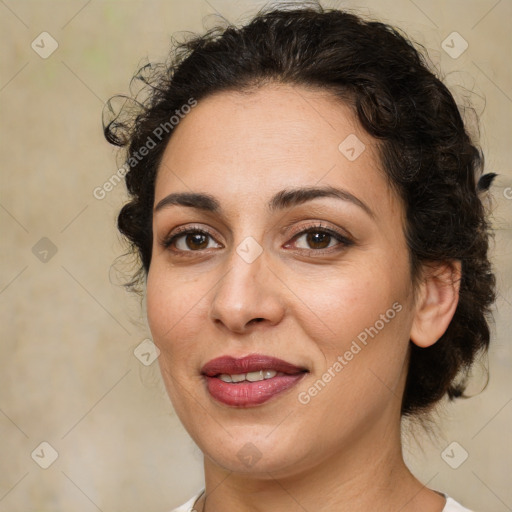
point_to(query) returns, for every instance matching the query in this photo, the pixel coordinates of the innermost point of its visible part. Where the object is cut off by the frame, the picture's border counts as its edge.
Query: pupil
(196, 240)
(318, 238)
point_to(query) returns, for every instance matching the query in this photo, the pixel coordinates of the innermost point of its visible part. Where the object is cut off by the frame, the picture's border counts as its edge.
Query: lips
(251, 363)
(246, 392)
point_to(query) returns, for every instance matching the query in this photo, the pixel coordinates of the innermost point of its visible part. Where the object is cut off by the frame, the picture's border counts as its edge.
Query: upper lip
(251, 363)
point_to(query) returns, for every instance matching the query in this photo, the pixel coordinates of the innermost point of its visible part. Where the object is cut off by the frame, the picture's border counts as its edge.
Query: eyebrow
(283, 199)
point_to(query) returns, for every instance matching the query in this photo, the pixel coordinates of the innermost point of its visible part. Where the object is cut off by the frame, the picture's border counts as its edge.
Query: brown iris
(316, 238)
(198, 241)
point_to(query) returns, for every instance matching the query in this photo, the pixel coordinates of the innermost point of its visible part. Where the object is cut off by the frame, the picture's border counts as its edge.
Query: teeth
(254, 376)
(250, 376)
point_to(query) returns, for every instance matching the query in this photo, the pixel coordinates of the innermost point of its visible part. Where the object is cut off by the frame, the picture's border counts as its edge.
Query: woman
(305, 202)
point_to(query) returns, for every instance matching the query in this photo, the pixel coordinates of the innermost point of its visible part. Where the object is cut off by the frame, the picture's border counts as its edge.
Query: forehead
(234, 144)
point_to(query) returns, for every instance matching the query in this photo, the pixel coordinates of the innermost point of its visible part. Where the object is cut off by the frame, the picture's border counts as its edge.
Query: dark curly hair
(425, 149)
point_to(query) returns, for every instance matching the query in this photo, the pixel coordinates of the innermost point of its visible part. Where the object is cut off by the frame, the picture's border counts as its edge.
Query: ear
(436, 302)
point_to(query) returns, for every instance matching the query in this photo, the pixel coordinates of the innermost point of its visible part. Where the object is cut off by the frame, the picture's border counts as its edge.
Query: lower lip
(248, 394)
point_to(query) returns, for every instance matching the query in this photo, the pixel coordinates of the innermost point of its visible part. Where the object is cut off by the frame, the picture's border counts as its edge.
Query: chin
(258, 456)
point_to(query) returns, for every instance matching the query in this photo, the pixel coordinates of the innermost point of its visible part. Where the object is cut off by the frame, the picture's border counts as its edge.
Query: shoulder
(454, 506)
(451, 505)
(188, 506)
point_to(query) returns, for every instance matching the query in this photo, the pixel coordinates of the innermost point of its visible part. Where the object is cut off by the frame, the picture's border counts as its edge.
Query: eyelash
(343, 241)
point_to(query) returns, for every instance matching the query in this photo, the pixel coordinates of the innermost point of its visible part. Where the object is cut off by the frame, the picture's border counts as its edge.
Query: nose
(248, 295)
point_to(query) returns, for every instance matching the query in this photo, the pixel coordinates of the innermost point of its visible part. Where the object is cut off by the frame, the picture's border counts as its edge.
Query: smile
(251, 380)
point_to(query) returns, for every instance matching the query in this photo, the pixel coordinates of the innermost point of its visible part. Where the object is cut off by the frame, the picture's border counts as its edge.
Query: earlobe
(436, 302)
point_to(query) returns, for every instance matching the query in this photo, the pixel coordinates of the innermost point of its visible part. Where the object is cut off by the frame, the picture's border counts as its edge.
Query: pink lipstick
(250, 380)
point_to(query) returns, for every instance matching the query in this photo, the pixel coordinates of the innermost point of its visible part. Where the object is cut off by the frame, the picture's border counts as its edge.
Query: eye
(189, 240)
(318, 238)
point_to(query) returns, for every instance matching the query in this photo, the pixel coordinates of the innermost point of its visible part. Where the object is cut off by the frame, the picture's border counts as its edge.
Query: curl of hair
(425, 151)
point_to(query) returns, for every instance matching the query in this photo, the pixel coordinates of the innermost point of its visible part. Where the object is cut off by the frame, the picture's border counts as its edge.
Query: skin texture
(341, 451)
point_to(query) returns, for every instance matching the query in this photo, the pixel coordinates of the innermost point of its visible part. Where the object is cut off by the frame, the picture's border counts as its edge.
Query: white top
(451, 505)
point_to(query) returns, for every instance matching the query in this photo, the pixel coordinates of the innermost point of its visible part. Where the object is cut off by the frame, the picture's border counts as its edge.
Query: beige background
(68, 375)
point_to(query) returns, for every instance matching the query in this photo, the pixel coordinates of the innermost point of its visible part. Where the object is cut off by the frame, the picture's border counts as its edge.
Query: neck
(368, 473)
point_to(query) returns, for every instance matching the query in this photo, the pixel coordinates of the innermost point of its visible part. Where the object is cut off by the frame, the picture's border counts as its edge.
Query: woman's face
(337, 301)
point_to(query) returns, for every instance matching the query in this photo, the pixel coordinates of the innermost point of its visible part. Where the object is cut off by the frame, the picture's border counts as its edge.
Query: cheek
(347, 301)
(175, 313)
(364, 316)
(174, 308)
